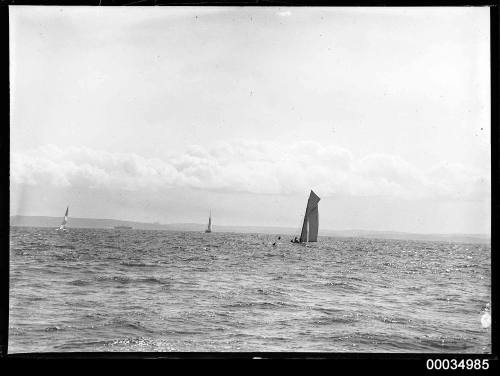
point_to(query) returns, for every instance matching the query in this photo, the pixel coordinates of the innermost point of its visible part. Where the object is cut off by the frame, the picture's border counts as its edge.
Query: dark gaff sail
(209, 227)
(311, 222)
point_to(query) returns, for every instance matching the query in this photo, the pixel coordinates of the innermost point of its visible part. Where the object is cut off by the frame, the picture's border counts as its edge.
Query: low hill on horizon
(45, 221)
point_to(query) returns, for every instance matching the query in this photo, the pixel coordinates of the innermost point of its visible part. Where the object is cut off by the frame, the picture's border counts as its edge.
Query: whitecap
(486, 320)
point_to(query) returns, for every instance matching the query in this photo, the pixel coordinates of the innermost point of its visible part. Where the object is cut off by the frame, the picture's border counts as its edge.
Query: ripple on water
(99, 290)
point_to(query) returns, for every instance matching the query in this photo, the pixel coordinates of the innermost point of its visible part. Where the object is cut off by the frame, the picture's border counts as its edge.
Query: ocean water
(133, 290)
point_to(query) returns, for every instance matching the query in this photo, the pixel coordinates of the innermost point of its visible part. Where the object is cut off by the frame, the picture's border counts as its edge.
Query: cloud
(249, 166)
(284, 13)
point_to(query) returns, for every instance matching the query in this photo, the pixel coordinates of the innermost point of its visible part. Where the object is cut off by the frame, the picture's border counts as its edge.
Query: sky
(163, 113)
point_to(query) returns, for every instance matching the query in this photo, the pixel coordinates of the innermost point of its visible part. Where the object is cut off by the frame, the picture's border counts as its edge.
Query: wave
(340, 284)
(137, 264)
(392, 319)
(139, 344)
(112, 246)
(344, 319)
(81, 343)
(329, 299)
(154, 280)
(80, 282)
(329, 311)
(131, 325)
(265, 305)
(53, 329)
(120, 279)
(446, 344)
(268, 291)
(65, 246)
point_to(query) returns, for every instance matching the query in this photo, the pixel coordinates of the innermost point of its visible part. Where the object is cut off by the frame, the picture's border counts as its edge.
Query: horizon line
(261, 226)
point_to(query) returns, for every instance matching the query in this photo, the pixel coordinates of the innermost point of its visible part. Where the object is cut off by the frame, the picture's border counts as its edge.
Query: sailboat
(310, 225)
(209, 227)
(62, 227)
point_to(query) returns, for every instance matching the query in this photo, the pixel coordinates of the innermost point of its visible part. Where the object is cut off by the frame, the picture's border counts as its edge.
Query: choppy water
(110, 290)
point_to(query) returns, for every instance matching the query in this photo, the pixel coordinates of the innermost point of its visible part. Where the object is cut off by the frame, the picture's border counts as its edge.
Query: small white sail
(209, 227)
(65, 220)
(310, 225)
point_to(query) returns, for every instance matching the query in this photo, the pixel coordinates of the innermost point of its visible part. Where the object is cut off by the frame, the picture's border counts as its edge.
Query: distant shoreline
(45, 221)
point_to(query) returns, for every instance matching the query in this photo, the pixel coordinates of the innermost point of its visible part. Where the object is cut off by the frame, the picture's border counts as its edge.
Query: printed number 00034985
(457, 364)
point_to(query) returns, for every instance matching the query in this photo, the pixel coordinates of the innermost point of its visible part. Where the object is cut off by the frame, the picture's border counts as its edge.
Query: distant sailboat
(310, 225)
(62, 227)
(209, 228)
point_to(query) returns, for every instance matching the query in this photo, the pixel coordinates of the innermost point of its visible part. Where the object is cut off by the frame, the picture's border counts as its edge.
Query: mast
(303, 233)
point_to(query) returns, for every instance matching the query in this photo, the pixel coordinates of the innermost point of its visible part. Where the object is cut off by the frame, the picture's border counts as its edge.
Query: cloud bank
(251, 167)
